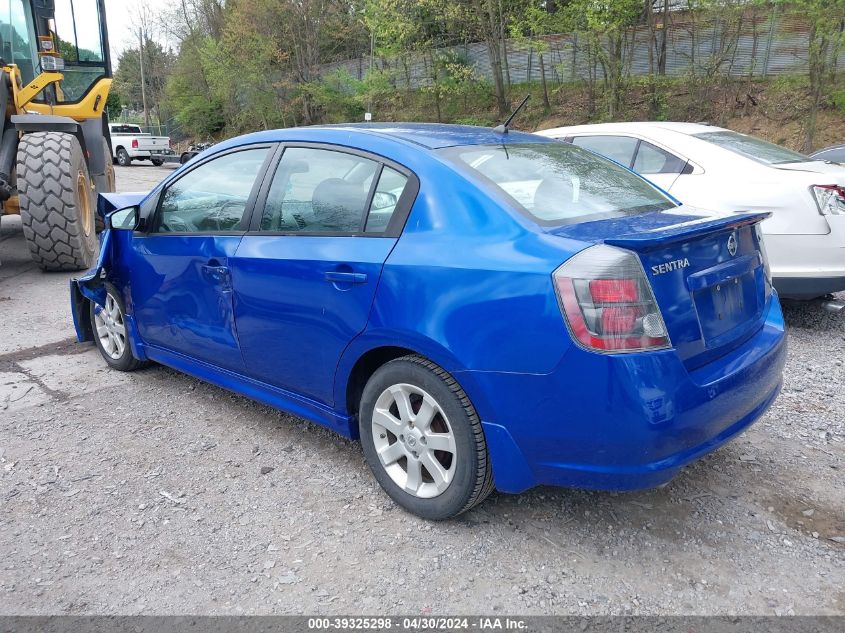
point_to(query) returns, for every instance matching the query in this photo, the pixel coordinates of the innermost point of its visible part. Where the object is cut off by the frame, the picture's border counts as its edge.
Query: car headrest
(553, 196)
(339, 205)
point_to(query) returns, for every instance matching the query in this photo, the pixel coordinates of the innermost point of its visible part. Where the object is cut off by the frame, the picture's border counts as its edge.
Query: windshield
(754, 148)
(557, 183)
(17, 37)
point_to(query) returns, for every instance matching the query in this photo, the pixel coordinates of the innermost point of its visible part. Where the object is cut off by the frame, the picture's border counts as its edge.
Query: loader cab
(29, 29)
(55, 63)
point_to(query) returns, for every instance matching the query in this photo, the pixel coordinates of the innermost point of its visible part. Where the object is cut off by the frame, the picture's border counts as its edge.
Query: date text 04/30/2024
(421, 623)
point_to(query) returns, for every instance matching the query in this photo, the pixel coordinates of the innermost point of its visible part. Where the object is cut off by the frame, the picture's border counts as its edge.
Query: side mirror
(123, 219)
(384, 200)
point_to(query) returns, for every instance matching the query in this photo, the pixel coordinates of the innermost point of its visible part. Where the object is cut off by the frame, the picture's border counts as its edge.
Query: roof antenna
(503, 128)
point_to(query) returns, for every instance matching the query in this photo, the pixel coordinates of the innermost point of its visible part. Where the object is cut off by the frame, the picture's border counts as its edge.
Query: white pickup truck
(130, 143)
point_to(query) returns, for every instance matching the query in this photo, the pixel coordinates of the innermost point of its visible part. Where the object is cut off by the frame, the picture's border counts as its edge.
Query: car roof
(426, 135)
(641, 126)
(828, 149)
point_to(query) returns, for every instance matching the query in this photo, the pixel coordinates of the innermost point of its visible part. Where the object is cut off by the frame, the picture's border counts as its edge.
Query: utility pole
(143, 77)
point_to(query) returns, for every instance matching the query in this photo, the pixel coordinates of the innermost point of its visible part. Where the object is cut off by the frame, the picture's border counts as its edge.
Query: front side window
(557, 183)
(753, 148)
(213, 196)
(619, 148)
(327, 191)
(654, 160)
(80, 43)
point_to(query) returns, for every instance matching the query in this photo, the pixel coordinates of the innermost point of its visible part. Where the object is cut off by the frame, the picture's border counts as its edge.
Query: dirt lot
(144, 494)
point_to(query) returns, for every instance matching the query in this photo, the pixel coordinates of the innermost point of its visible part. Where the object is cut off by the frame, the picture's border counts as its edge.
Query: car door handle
(216, 274)
(335, 276)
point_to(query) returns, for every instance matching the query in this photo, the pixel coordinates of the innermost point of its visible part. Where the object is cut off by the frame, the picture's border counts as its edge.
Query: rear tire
(432, 483)
(157, 162)
(56, 201)
(108, 323)
(123, 158)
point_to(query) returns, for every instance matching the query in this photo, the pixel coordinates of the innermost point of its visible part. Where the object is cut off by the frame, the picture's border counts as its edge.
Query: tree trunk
(495, 53)
(546, 102)
(664, 36)
(818, 48)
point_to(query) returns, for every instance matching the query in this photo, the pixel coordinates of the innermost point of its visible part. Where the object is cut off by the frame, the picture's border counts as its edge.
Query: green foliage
(251, 64)
(157, 67)
(114, 106)
(837, 99)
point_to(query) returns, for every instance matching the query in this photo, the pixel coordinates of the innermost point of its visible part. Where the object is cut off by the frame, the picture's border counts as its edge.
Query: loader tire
(56, 200)
(110, 183)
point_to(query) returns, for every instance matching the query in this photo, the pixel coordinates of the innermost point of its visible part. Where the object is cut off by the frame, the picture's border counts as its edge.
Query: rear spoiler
(661, 236)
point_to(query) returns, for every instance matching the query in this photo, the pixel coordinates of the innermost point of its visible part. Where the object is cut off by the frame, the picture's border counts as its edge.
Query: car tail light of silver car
(830, 199)
(608, 303)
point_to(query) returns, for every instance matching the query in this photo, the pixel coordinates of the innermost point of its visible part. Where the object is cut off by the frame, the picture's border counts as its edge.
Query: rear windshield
(754, 148)
(558, 183)
(125, 129)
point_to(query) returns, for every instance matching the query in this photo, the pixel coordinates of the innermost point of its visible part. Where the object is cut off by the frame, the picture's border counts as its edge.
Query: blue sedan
(483, 309)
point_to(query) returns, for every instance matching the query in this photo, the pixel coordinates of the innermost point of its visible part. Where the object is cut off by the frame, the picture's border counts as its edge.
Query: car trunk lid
(706, 271)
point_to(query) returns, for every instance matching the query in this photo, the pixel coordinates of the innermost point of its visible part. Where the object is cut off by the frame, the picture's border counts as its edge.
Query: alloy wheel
(111, 329)
(414, 440)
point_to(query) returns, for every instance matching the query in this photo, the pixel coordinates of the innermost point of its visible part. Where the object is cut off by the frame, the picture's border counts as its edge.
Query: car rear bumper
(625, 422)
(808, 266)
(167, 156)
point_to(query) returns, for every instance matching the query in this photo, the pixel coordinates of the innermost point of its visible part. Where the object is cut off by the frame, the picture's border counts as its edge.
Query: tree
(529, 27)
(157, 67)
(824, 42)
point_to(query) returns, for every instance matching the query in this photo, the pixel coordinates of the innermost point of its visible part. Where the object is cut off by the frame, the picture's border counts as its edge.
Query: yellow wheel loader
(55, 151)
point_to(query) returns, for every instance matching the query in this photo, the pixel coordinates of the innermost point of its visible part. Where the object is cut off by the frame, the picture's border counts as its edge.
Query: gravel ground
(153, 493)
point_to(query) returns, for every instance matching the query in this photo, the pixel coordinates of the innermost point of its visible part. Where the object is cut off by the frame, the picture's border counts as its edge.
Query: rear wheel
(423, 440)
(157, 162)
(109, 326)
(123, 158)
(56, 200)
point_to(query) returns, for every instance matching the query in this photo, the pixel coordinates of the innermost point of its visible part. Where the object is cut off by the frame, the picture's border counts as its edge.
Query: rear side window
(619, 148)
(654, 160)
(390, 186)
(327, 191)
(556, 183)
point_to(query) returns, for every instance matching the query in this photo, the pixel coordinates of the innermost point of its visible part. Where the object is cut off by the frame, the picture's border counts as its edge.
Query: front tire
(423, 440)
(123, 158)
(56, 201)
(108, 323)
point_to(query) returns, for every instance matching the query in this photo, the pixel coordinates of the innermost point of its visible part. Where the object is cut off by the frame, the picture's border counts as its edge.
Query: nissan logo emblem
(732, 245)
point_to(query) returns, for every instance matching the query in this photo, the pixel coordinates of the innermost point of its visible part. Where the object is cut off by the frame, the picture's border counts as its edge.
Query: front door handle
(337, 277)
(216, 274)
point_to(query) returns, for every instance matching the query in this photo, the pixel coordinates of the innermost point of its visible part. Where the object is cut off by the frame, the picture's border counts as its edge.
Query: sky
(119, 18)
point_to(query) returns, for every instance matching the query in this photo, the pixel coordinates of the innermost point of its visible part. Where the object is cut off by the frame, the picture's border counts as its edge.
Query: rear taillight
(830, 199)
(134, 143)
(607, 301)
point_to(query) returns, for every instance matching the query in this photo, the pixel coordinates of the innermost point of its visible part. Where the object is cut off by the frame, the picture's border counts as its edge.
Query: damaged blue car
(484, 309)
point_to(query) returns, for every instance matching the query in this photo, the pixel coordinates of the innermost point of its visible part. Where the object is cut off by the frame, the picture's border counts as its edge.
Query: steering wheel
(219, 215)
(172, 223)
